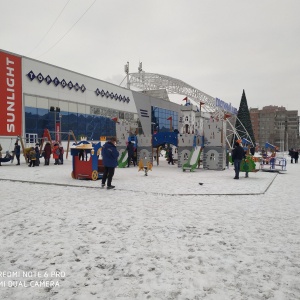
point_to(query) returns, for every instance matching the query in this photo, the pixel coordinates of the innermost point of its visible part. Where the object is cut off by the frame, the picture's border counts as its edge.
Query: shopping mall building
(35, 96)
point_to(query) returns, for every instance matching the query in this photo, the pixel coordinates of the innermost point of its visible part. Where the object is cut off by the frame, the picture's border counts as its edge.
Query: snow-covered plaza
(161, 236)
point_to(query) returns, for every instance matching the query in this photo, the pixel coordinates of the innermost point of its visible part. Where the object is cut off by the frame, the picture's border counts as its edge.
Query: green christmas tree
(243, 120)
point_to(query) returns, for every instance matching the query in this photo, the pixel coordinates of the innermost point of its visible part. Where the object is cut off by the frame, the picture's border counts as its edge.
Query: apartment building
(276, 125)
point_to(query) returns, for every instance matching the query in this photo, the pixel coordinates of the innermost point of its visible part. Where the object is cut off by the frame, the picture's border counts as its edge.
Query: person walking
(291, 154)
(17, 152)
(296, 155)
(237, 155)
(170, 156)
(110, 156)
(47, 153)
(130, 150)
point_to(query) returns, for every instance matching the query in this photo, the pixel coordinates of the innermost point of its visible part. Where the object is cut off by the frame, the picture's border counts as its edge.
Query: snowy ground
(163, 236)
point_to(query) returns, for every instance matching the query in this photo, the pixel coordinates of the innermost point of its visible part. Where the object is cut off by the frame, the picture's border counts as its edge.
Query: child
(32, 156)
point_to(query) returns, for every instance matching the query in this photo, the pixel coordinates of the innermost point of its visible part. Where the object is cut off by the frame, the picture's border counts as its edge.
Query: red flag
(202, 103)
(170, 119)
(185, 99)
(115, 119)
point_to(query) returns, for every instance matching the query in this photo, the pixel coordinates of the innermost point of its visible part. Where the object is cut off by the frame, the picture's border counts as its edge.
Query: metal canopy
(151, 81)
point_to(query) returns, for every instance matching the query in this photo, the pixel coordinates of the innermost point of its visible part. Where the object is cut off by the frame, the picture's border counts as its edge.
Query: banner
(10, 95)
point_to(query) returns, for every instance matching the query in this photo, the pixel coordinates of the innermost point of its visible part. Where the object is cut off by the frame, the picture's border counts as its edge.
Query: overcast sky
(219, 47)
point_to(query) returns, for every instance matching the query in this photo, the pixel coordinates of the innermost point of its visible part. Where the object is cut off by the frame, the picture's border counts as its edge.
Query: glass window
(43, 121)
(161, 114)
(82, 124)
(159, 119)
(38, 119)
(73, 125)
(31, 119)
(65, 121)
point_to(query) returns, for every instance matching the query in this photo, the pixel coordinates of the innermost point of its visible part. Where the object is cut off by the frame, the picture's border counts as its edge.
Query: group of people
(110, 156)
(238, 154)
(33, 154)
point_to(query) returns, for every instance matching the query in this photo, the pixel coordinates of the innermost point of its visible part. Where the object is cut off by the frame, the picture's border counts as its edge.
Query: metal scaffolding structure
(152, 81)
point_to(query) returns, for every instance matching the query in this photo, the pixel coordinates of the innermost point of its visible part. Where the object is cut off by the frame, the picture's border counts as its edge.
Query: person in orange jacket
(56, 153)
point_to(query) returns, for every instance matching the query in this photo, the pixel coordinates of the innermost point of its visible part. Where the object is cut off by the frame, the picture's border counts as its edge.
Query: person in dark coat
(17, 152)
(47, 153)
(130, 150)
(110, 156)
(292, 154)
(170, 156)
(237, 155)
(61, 154)
(8, 156)
(296, 155)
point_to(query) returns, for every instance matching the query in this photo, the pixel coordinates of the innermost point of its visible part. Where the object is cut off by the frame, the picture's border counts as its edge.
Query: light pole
(281, 123)
(281, 137)
(126, 69)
